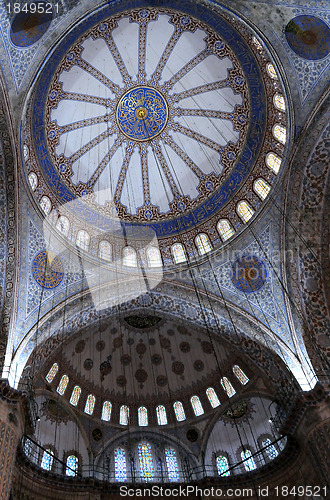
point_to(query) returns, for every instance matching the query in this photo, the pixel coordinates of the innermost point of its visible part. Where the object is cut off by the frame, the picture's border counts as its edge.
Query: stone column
(13, 415)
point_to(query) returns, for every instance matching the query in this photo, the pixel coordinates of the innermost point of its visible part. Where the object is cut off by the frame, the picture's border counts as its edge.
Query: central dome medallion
(142, 113)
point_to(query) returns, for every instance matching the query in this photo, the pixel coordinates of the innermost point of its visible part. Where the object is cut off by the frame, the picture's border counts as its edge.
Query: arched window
(256, 42)
(63, 385)
(26, 152)
(27, 447)
(279, 102)
(228, 388)
(120, 465)
(105, 251)
(63, 225)
(154, 257)
(279, 132)
(71, 465)
(212, 397)
(143, 416)
(203, 244)
(179, 254)
(271, 70)
(244, 210)
(249, 462)
(123, 415)
(129, 257)
(172, 465)
(52, 372)
(273, 162)
(33, 180)
(90, 403)
(196, 405)
(238, 372)
(146, 464)
(82, 240)
(47, 459)
(222, 466)
(225, 229)
(161, 415)
(106, 411)
(270, 450)
(179, 411)
(75, 395)
(45, 205)
(261, 187)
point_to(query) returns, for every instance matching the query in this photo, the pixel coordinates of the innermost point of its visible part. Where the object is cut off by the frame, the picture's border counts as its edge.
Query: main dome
(151, 116)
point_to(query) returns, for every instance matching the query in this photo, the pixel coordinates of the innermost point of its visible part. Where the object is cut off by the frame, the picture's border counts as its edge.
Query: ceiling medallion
(249, 274)
(237, 411)
(142, 322)
(47, 270)
(142, 113)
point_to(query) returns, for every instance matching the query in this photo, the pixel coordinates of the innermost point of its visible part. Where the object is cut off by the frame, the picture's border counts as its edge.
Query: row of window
(142, 411)
(146, 463)
(247, 458)
(203, 244)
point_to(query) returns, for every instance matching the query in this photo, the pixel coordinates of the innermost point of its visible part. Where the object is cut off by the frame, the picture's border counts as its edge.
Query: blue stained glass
(146, 464)
(120, 465)
(47, 459)
(270, 450)
(249, 463)
(172, 465)
(222, 466)
(71, 465)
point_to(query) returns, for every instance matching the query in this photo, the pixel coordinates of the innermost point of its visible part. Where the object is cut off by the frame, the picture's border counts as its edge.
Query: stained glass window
(249, 463)
(124, 415)
(129, 257)
(143, 416)
(256, 42)
(279, 132)
(27, 446)
(71, 465)
(244, 210)
(222, 466)
(33, 180)
(196, 405)
(75, 395)
(26, 152)
(279, 102)
(212, 397)
(52, 372)
(105, 250)
(228, 388)
(145, 459)
(154, 258)
(63, 385)
(45, 204)
(63, 225)
(261, 187)
(90, 403)
(271, 71)
(203, 244)
(273, 162)
(172, 465)
(179, 411)
(47, 459)
(82, 240)
(106, 411)
(120, 465)
(179, 255)
(161, 415)
(225, 230)
(270, 450)
(238, 372)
